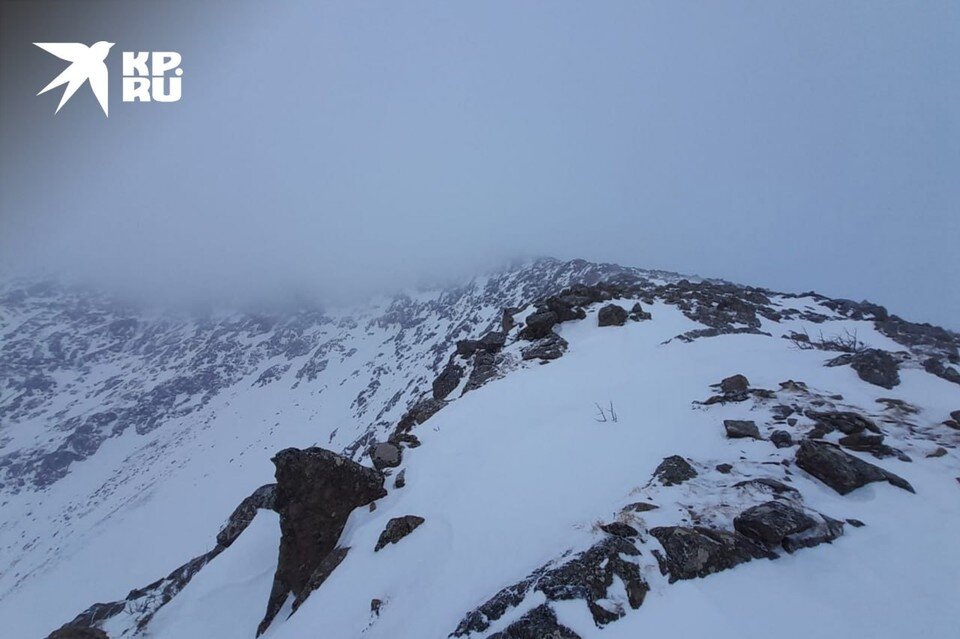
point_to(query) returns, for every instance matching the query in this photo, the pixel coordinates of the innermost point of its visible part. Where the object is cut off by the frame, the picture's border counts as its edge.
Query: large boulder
(539, 325)
(770, 522)
(612, 315)
(841, 471)
(386, 455)
(398, 528)
(674, 470)
(316, 492)
(741, 428)
(698, 551)
(77, 632)
(781, 439)
(734, 385)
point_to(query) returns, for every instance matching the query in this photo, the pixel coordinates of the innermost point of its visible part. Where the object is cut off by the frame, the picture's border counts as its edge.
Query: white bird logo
(87, 65)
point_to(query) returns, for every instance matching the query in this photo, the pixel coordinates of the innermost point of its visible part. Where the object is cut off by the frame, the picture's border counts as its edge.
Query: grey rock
(674, 470)
(550, 347)
(539, 623)
(841, 471)
(735, 384)
(612, 315)
(539, 325)
(448, 379)
(386, 455)
(847, 422)
(619, 529)
(398, 528)
(823, 531)
(873, 365)
(740, 428)
(698, 551)
(781, 439)
(770, 522)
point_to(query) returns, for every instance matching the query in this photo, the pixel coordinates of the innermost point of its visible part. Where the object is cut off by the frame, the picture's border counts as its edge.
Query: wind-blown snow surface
(510, 477)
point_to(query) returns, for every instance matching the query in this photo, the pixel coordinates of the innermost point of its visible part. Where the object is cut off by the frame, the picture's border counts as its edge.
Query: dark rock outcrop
(823, 531)
(77, 632)
(619, 529)
(612, 315)
(448, 379)
(841, 471)
(735, 384)
(386, 455)
(398, 528)
(262, 498)
(316, 492)
(848, 423)
(770, 522)
(741, 428)
(637, 314)
(875, 366)
(539, 325)
(698, 551)
(539, 623)
(550, 347)
(674, 470)
(587, 577)
(781, 439)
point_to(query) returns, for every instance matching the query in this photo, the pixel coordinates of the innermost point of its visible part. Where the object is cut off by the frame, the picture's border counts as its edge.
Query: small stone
(401, 479)
(640, 507)
(939, 452)
(781, 439)
(856, 523)
(724, 468)
(674, 470)
(385, 455)
(375, 605)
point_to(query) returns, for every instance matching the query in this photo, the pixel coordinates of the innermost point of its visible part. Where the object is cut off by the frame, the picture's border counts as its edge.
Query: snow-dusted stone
(847, 422)
(398, 528)
(493, 341)
(781, 439)
(740, 428)
(612, 315)
(842, 472)
(539, 623)
(484, 370)
(674, 470)
(735, 384)
(385, 455)
(875, 366)
(768, 485)
(640, 507)
(724, 468)
(823, 531)
(550, 347)
(770, 522)
(588, 577)
(698, 552)
(637, 314)
(316, 492)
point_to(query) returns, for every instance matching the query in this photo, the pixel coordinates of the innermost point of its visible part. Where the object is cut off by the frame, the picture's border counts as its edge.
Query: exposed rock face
(698, 552)
(539, 623)
(823, 531)
(735, 384)
(770, 522)
(781, 439)
(674, 470)
(386, 455)
(587, 577)
(873, 444)
(316, 492)
(550, 347)
(448, 379)
(539, 324)
(612, 315)
(78, 632)
(484, 369)
(842, 472)
(873, 365)
(740, 428)
(398, 528)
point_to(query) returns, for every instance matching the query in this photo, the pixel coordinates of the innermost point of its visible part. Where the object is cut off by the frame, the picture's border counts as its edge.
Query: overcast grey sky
(322, 147)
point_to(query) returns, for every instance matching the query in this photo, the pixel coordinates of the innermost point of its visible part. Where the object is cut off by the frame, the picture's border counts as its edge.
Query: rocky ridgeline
(732, 513)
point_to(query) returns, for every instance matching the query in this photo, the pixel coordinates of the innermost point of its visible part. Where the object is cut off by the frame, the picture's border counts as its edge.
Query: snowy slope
(509, 477)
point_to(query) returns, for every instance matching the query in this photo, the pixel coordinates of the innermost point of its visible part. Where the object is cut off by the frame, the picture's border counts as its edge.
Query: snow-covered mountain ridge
(115, 426)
